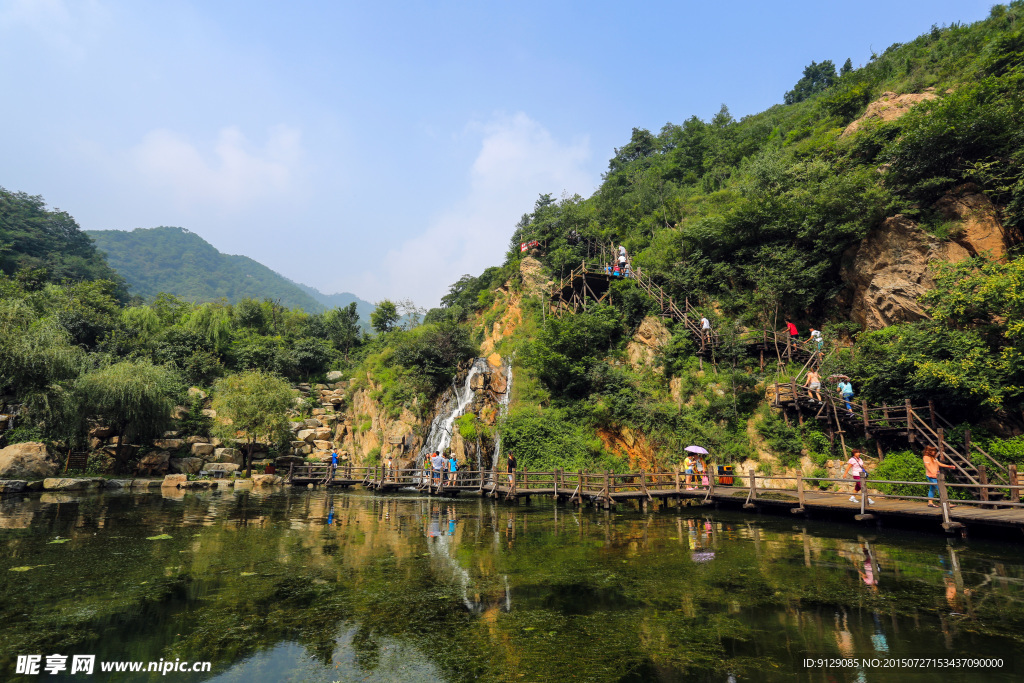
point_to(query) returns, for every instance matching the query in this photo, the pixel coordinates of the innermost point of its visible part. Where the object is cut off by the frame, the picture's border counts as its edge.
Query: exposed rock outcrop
(649, 339)
(890, 107)
(888, 271)
(981, 232)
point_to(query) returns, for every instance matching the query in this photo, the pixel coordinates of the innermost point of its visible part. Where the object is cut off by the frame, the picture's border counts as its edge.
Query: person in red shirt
(793, 334)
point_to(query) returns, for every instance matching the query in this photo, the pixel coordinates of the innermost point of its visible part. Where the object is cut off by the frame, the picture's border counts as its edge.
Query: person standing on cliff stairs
(793, 333)
(705, 329)
(334, 462)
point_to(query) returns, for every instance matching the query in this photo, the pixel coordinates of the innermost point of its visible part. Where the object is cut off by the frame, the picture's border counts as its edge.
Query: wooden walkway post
(605, 492)
(752, 496)
(983, 480)
(910, 421)
(799, 495)
(1015, 494)
(796, 401)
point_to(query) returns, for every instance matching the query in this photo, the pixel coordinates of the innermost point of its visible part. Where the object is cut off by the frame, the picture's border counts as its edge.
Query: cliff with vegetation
(882, 205)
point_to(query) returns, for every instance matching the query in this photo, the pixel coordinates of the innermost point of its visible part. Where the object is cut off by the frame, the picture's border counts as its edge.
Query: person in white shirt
(705, 329)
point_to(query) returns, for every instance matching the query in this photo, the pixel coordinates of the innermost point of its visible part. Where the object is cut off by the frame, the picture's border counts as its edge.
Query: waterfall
(440, 436)
(504, 409)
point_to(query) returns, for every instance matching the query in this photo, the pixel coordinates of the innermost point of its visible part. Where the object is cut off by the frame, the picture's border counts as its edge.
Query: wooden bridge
(994, 505)
(592, 283)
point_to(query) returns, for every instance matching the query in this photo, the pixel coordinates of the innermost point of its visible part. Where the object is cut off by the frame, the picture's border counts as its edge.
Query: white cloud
(66, 28)
(518, 160)
(232, 176)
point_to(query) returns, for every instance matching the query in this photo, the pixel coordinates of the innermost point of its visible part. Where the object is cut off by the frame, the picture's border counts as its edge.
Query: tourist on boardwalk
(700, 468)
(856, 464)
(453, 468)
(705, 330)
(387, 468)
(334, 462)
(688, 469)
(436, 463)
(511, 468)
(813, 384)
(608, 268)
(845, 390)
(931, 471)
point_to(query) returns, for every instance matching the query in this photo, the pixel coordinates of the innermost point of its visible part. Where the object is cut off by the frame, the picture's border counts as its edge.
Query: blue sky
(382, 148)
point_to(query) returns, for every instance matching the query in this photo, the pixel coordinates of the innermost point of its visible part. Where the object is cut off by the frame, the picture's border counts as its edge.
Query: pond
(298, 585)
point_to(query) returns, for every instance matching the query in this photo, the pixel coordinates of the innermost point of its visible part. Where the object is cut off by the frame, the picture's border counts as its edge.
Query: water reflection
(324, 586)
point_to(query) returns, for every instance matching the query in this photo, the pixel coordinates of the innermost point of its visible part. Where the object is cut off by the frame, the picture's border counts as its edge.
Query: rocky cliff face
(888, 271)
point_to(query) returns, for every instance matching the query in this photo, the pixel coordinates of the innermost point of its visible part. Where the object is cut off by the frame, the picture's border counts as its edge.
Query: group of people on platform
(620, 267)
(444, 467)
(856, 470)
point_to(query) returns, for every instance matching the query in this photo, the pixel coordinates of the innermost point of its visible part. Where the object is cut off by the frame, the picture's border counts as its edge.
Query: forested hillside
(42, 244)
(176, 261)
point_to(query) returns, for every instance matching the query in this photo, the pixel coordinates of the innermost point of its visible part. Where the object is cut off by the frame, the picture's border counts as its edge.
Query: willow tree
(134, 398)
(251, 407)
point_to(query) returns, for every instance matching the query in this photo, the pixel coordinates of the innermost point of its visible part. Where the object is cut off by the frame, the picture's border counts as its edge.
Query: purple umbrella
(695, 449)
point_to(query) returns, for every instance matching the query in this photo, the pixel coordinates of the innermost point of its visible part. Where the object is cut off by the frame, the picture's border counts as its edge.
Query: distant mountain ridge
(180, 262)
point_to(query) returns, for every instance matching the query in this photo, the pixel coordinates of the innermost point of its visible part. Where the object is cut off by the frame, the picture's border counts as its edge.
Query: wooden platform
(752, 492)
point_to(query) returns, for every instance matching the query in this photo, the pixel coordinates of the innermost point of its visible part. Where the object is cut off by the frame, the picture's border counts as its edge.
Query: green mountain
(35, 238)
(341, 300)
(177, 261)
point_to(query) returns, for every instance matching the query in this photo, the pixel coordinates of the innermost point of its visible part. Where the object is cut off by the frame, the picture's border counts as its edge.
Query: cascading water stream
(503, 402)
(440, 436)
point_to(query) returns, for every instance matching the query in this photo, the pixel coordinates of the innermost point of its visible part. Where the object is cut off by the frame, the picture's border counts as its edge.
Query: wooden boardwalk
(752, 492)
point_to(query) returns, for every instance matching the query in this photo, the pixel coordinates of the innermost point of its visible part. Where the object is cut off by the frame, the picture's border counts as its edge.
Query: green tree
(846, 68)
(255, 402)
(384, 317)
(133, 398)
(817, 78)
(342, 327)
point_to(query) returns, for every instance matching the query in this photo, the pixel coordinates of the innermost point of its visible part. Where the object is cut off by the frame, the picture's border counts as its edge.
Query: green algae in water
(59, 540)
(161, 537)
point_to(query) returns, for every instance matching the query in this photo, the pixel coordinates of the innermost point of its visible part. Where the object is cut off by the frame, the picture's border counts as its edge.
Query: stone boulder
(68, 484)
(227, 455)
(307, 435)
(101, 432)
(335, 375)
(173, 480)
(313, 423)
(196, 439)
(179, 412)
(12, 486)
(169, 444)
(322, 445)
(210, 413)
(322, 434)
(202, 449)
(117, 483)
(155, 462)
(266, 479)
(288, 460)
(186, 465)
(222, 467)
(29, 460)
(197, 392)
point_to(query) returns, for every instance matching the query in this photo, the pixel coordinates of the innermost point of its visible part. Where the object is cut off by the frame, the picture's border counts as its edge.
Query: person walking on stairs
(845, 389)
(813, 384)
(931, 471)
(705, 330)
(856, 464)
(794, 335)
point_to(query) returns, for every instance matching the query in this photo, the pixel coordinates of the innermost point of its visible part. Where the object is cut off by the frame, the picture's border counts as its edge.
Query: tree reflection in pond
(300, 585)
